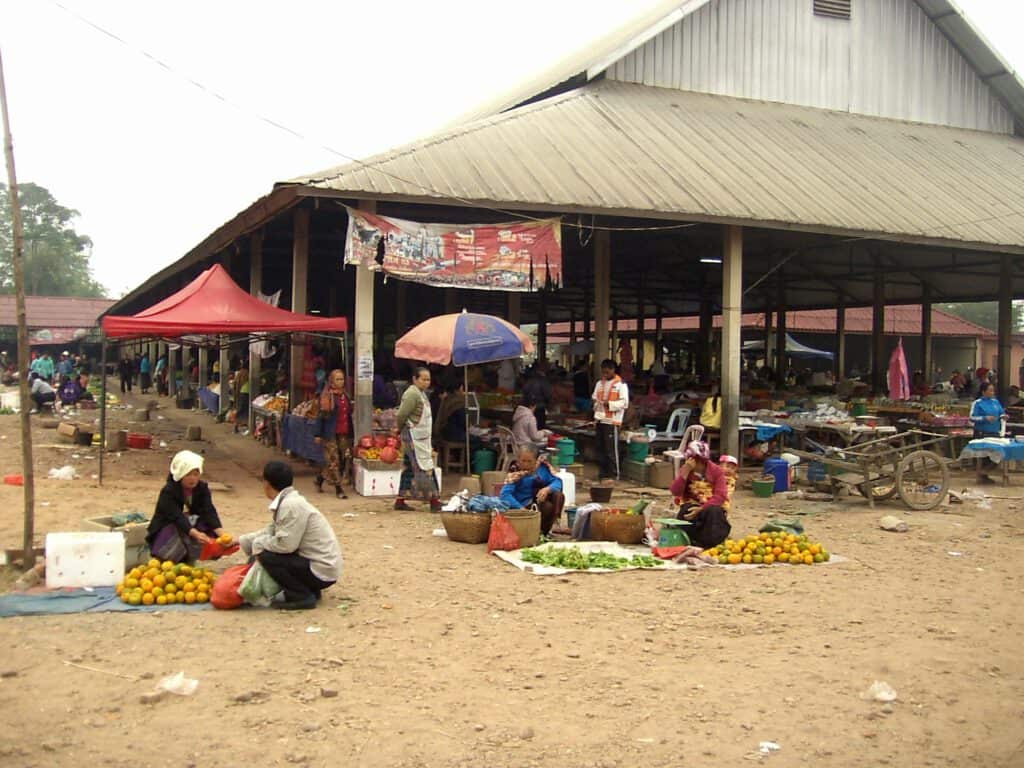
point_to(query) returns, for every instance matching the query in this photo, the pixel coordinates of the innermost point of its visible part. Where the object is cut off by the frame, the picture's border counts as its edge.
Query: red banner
(517, 256)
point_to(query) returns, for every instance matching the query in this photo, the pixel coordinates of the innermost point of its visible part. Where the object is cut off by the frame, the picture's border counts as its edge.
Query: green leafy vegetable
(573, 558)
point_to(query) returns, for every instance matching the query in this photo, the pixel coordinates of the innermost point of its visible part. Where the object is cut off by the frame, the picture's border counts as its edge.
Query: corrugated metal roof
(628, 149)
(904, 320)
(54, 311)
(593, 59)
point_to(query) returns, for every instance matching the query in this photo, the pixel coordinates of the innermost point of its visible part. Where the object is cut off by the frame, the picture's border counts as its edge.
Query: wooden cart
(913, 465)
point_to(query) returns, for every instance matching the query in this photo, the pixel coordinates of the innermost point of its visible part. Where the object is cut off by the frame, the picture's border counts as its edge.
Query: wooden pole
(542, 326)
(24, 352)
(840, 369)
(641, 317)
(879, 365)
(781, 362)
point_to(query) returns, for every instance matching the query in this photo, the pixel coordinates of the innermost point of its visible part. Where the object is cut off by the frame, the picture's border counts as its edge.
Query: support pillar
(659, 338)
(614, 352)
(224, 364)
(542, 326)
(602, 296)
(204, 361)
(255, 288)
(515, 308)
(572, 327)
(926, 334)
(781, 361)
(641, 316)
(732, 327)
(363, 416)
(768, 338)
(401, 321)
(704, 340)
(1005, 326)
(840, 369)
(300, 288)
(172, 370)
(878, 361)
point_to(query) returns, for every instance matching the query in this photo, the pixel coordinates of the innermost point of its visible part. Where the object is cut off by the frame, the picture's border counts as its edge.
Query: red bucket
(139, 440)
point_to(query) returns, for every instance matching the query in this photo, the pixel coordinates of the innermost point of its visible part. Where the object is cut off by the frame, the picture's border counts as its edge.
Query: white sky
(154, 164)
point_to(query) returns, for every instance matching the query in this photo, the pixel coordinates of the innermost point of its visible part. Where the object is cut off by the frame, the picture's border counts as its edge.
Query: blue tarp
(96, 600)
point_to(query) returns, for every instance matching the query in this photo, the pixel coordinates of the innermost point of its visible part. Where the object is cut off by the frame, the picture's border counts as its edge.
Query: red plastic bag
(225, 589)
(213, 550)
(503, 535)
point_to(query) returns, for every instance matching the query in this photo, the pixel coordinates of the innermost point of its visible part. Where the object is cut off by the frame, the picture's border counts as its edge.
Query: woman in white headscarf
(185, 519)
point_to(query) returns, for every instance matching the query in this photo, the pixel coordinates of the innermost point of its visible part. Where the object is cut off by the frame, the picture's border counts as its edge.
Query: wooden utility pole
(23, 348)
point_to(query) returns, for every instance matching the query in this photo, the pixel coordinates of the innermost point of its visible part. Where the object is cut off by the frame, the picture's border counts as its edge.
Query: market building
(54, 321)
(712, 157)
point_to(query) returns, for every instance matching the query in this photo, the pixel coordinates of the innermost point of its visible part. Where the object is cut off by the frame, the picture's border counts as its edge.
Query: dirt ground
(430, 653)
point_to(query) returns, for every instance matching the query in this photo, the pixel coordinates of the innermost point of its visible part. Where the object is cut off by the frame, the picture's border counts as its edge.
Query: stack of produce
(164, 583)
(383, 448)
(769, 548)
(575, 559)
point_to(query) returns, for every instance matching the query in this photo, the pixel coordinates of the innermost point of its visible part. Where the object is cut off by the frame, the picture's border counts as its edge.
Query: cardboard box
(635, 471)
(67, 432)
(659, 474)
(117, 440)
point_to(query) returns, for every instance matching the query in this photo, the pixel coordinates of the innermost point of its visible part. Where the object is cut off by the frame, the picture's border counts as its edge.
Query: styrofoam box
(11, 400)
(84, 559)
(382, 482)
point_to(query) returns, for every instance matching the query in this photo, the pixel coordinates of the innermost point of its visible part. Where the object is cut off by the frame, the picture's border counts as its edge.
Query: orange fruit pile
(164, 583)
(770, 548)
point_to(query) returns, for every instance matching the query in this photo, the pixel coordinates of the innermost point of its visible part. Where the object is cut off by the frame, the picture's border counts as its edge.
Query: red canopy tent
(213, 303)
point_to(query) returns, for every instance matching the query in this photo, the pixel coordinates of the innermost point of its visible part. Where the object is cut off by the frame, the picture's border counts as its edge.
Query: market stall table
(1000, 450)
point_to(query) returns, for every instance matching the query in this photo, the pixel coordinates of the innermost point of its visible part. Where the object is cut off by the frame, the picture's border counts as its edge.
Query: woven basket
(623, 528)
(467, 527)
(527, 525)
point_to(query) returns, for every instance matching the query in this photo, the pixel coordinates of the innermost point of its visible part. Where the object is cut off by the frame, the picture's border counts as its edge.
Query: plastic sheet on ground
(96, 600)
(515, 557)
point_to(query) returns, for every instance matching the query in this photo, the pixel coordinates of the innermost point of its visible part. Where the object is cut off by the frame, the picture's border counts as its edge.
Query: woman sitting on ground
(185, 519)
(524, 425)
(702, 490)
(534, 483)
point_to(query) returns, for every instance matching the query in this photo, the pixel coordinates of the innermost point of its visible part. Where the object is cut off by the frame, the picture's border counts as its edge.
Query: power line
(374, 166)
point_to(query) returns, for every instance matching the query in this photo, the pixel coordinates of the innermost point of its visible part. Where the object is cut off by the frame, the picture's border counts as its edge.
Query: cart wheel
(922, 480)
(884, 487)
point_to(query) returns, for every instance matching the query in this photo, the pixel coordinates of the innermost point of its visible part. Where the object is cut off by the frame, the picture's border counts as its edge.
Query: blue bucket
(779, 468)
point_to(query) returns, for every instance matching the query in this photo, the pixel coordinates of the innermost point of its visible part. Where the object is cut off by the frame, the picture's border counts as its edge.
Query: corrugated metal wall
(889, 60)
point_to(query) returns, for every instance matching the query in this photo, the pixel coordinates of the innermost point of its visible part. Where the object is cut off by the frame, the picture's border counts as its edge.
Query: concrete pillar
(879, 363)
(1003, 361)
(768, 337)
(365, 279)
(781, 360)
(255, 288)
(840, 369)
(300, 289)
(615, 334)
(732, 332)
(172, 370)
(204, 361)
(224, 364)
(602, 296)
(572, 327)
(926, 333)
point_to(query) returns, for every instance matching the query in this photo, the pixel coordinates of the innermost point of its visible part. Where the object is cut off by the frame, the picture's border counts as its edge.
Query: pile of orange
(164, 583)
(770, 548)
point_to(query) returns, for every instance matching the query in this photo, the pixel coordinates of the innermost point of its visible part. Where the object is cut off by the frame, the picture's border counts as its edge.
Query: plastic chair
(677, 422)
(692, 432)
(507, 448)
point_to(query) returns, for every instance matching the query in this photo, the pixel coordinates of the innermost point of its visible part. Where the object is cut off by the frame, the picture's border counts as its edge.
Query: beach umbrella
(899, 378)
(463, 339)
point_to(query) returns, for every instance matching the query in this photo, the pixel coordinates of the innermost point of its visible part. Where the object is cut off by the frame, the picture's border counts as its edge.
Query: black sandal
(339, 493)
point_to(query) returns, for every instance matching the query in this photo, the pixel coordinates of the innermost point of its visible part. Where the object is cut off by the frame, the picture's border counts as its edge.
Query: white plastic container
(382, 482)
(568, 486)
(84, 559)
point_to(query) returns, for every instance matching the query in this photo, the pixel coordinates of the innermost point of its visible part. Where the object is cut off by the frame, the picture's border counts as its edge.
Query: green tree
(56, 256)
(985, 313)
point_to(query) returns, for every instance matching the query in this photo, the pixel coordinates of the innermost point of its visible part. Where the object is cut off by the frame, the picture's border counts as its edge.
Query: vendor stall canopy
(213, 303)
